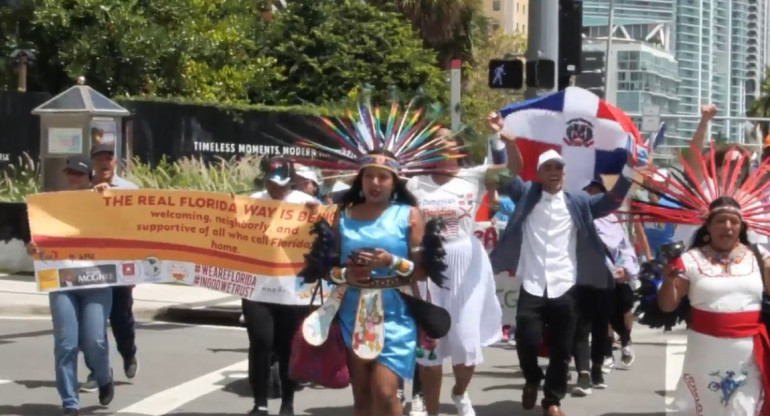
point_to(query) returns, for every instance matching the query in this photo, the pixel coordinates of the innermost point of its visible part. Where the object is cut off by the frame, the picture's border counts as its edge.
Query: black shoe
(597, 378)
(106, 393)
(131, 367)
(286, 410)
(256, 411)
(70, 412)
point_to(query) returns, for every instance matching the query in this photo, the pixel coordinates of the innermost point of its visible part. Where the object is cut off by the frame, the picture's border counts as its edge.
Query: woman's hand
(671, 272)
(495, 122)
(355, 273)
(101, 187)
(379, 258)
(32, 249)
(312, 206)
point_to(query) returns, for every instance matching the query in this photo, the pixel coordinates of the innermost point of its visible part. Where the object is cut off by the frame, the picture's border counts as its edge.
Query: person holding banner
(552, 243)
(80, 320)
(271, 326)
(122, 314)
(452, 193)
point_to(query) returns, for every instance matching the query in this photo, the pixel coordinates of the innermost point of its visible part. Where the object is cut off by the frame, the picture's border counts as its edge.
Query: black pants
(594, 306)
(271, 328)
(533, 313)
(122, 321)
(623, 302)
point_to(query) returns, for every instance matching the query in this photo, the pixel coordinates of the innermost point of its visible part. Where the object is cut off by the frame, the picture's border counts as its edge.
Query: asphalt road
(200, 371)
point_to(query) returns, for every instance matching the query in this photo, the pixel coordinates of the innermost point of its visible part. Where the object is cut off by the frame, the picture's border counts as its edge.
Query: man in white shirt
(552, 243)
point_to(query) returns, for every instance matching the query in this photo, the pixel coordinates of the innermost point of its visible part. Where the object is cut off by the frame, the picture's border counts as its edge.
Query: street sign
(506, 74)
(650, 119)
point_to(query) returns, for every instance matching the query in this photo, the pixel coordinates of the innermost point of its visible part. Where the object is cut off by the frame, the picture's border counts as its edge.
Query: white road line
(166, 401)
(6, 381)
(25, 318)
(675, 350)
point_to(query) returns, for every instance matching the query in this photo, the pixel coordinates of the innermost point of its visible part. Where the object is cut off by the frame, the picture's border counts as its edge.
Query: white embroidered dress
(720, 376)
(469, 294)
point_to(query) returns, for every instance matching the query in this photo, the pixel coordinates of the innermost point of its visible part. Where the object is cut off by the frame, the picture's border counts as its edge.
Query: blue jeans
(80, 323)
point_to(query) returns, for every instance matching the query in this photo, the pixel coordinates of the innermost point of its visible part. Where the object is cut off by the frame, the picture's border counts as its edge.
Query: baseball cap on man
(79, 164)
(103, 148)
(549, 156)
(307, 173)
(598, 183)
(278, 170)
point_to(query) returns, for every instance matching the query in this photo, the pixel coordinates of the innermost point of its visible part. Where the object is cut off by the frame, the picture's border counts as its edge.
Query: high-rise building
(511, 16)
(643, 71)
(720, 46)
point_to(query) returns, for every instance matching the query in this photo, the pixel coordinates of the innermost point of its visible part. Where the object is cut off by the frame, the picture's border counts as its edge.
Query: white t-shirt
(293, 197)
(456, 201)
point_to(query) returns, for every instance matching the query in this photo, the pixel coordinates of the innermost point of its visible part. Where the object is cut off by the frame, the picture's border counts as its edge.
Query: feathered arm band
(648, 311)
(433, 253)
(323, 256)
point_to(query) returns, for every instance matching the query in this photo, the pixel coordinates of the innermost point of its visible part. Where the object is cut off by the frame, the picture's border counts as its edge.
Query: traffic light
(541, 74)
(570, 36)
(506, 74)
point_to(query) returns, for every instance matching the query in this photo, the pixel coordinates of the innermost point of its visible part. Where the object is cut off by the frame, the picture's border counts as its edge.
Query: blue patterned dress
(389, 232)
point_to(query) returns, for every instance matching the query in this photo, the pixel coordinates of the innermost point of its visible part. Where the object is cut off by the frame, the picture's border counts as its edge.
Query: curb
(220, 316)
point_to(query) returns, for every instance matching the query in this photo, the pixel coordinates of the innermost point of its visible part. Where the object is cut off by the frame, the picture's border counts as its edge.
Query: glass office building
(720, 47)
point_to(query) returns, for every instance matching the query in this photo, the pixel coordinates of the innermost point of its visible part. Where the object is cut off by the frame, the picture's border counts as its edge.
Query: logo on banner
(580, 133)
(128, 272)
(86, 276)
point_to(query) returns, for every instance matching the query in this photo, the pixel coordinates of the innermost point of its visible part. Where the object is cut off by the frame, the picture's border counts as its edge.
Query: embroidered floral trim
(740, 267)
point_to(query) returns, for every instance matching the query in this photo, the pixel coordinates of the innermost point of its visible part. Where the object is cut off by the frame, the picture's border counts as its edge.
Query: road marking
(675, 350)
(6, 381)
(25, 318)
(166, 401)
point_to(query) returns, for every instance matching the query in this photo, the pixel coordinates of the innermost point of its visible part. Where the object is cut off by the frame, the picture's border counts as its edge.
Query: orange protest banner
(264, 238)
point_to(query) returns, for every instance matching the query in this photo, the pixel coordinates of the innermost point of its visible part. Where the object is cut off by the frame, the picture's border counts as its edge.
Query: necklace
(725, 259)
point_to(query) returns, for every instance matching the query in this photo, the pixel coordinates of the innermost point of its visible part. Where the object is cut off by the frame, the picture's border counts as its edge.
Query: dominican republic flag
(591, 135)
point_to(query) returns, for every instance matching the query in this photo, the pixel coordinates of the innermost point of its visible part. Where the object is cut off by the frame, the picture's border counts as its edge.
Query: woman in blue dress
(381, 247)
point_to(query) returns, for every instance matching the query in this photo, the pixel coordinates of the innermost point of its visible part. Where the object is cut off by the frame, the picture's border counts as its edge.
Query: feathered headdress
(408, 135)
(685, 199)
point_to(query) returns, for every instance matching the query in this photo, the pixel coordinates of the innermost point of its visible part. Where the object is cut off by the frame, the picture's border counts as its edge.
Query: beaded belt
(391, 282)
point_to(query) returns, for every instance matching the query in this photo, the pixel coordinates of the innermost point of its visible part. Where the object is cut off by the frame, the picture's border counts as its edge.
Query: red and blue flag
(592, 135)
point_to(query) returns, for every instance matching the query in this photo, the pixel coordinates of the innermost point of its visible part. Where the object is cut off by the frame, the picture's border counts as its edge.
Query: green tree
(445, 26)
(201, 48)
(327, 49)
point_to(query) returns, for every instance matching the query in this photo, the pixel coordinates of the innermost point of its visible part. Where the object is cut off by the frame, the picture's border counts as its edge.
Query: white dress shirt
(548, 251)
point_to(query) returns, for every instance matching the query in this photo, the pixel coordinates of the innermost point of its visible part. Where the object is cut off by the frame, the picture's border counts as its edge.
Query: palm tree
(445, 26)
(761, 106)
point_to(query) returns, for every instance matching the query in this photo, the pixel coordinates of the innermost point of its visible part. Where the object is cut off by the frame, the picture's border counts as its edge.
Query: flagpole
(608, 52)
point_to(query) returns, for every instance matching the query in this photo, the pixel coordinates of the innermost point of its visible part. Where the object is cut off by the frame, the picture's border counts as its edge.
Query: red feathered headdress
(689, 198)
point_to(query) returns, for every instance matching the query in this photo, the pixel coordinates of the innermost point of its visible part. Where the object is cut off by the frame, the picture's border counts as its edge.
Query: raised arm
(707, 113)
(515, 189)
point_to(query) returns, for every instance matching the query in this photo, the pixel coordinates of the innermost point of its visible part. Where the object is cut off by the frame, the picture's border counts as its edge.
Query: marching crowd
(413, 287)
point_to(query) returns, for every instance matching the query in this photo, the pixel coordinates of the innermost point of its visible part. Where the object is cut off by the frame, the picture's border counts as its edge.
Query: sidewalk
(19, 297)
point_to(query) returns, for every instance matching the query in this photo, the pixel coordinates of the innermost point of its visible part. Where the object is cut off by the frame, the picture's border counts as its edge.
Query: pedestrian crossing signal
(505, 74)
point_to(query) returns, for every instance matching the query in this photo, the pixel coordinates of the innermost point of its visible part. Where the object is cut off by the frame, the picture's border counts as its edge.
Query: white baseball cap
(307, 173)
(549, 156)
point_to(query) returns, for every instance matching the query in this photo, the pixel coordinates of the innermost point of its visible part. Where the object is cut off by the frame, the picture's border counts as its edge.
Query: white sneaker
(463, 404)
(627, 357)
(608, 365)
(418, 407)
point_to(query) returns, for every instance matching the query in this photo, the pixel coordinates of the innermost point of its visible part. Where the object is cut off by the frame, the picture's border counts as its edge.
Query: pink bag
(325, 365)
